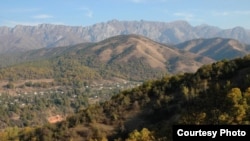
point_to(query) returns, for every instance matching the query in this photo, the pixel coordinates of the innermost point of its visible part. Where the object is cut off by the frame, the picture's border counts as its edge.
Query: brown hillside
(216, 48)
(124, 48)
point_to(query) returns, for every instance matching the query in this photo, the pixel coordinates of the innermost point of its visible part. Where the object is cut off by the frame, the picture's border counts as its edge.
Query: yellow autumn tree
(143, 135)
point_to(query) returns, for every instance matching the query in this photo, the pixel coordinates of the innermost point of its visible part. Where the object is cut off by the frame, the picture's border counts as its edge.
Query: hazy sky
(221, 13)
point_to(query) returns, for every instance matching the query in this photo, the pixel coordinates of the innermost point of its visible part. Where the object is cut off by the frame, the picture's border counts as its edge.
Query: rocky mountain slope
(22, 38)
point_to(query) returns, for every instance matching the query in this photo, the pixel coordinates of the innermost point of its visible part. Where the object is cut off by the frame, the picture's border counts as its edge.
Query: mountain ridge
(22, 38)
(216, 48)
(131, 57)
(212, 49)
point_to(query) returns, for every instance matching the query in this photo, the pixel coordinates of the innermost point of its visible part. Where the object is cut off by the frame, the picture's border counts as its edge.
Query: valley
(216, 94)
(122, 85)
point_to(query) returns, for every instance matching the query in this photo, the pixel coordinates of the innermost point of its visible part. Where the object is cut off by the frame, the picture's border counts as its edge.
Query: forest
(218, 93)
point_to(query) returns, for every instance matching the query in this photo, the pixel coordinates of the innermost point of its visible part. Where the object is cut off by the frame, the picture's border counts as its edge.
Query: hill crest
(136, 48)
(216, 48)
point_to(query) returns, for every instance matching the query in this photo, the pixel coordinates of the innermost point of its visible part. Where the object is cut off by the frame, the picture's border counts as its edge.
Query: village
(55, 103)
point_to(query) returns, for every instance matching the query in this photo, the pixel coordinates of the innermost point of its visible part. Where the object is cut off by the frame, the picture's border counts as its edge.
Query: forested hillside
(218, 93)
(60, 81)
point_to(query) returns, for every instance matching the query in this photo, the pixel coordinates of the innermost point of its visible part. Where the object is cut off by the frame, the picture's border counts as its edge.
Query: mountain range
(23, 38)
(130, 57)
(134, 55)
(54, 69)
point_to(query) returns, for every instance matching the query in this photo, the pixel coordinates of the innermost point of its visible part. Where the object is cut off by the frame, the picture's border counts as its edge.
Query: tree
(143, 135)
(185, 91)
(237, 107)
(235, 95)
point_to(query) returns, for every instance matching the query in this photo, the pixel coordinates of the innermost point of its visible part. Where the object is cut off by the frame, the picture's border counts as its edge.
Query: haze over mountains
(22, 38)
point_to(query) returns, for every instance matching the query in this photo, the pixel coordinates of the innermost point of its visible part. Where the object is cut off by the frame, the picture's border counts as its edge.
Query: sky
(221, 13)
